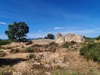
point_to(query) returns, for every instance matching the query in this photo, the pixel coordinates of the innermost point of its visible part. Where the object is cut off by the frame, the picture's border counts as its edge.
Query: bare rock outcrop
(59, 38)
(69, 37)
(73, 37)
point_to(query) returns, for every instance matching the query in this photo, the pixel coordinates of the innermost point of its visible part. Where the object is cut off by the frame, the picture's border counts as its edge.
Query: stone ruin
(68, 38)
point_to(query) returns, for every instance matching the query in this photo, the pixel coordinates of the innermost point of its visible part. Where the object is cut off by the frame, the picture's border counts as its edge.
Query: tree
(50, 36)
(17, 31)
(98, 38)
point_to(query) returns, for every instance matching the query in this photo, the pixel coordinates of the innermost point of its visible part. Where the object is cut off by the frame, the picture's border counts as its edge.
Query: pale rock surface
(68, 38)
(73, 37)
(59, 38)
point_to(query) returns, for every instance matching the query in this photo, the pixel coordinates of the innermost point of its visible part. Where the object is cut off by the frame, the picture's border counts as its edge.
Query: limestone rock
(59, 35)
(69, 37)
(59, 38)
(73, 37)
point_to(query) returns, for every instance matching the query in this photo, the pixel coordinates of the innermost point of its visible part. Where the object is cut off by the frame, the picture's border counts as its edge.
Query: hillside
(44, 57)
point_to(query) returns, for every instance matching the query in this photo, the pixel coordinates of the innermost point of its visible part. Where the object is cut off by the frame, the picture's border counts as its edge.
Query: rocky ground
(42, 57)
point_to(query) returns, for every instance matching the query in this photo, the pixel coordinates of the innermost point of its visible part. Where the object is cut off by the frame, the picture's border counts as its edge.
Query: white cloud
(36, 35)
(58, 28)
(3, 23)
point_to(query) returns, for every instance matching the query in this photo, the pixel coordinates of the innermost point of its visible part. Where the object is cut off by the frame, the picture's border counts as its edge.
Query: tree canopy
(17, 31)
(50, 36)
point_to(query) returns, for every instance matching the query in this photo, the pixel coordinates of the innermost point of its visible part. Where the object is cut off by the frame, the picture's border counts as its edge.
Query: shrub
(4, 42)
(53, 44)
(91, 51)
(52, 47)
(30, 56)
(66, 45)
(14, 50)
(17, 50)
(29, 49)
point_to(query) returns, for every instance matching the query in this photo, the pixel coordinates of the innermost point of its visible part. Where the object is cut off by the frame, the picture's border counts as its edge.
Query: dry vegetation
(44, 57)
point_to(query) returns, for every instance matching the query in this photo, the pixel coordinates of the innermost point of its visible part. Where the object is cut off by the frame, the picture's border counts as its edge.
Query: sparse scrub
(73, 46)
(4, 42)
(30, 56)
(53, 43)
(66, 45)
(51, 46)
(47, 47)
(29, 50)
(17, 50)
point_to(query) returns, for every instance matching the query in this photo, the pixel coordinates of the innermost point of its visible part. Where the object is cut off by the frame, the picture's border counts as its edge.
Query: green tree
(98, 38)
(17, 31)
(50, 36)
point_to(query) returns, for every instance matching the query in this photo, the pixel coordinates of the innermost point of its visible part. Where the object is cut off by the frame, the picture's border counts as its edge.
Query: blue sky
(52, 16)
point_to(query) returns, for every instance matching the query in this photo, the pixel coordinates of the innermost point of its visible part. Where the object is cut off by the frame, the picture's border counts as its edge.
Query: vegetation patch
(91, 51)
(16, 50)
(30, 56)
(4, 42)
(67, 44)
(29, 50)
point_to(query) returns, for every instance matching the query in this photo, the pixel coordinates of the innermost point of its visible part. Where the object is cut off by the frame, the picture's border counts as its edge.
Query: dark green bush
(91, 51)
